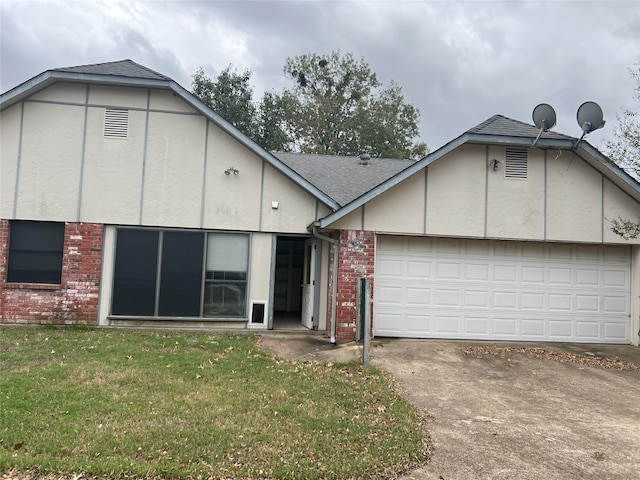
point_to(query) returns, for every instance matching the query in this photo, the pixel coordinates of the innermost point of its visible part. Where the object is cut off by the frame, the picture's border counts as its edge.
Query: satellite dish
(590, 117)
(544, 117)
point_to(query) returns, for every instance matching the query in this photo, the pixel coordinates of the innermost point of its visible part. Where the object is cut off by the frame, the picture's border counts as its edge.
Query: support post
(365, 318)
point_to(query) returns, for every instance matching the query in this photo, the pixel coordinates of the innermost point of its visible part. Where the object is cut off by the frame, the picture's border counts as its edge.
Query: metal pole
(366, 330)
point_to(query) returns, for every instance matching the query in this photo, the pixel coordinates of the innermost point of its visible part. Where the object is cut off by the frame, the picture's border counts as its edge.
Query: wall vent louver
(116, 123)
(516, 163)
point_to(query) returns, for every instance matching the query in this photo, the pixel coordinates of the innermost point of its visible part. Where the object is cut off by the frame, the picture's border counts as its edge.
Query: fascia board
(29, 87)
(47, 78)
(521, 141)
(393, 181)
(612, 169)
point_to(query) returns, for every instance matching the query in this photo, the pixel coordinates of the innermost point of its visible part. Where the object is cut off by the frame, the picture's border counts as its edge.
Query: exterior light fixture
(231, 170)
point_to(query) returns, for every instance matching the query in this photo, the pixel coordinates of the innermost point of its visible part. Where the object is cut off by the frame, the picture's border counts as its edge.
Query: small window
(116, 123)
(35, 252)
(516, 163)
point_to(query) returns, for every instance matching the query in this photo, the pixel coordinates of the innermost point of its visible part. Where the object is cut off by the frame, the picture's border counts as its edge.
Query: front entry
(293, 293)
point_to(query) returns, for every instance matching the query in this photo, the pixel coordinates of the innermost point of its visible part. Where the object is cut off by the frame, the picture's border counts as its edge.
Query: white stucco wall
(563, 199)
(50, 161)
(169, 171)
(260, 275)
(515, 204)
(9, 151)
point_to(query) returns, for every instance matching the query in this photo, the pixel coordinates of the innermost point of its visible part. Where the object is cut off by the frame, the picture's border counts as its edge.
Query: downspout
(334, 287)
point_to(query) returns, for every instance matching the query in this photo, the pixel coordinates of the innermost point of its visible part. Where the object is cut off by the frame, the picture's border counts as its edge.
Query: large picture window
(179, 273)
(35, 252)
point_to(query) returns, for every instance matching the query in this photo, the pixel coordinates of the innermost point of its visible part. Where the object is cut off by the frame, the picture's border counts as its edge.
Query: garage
(428, 287)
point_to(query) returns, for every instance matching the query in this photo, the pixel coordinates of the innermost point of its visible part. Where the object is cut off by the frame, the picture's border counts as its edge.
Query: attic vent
(515, 165)
(116, 123)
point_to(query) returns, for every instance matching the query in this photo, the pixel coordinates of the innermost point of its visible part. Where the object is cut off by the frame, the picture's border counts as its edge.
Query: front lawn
(134, 404)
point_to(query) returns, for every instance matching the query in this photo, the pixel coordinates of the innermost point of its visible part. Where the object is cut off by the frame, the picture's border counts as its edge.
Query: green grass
(133, 404)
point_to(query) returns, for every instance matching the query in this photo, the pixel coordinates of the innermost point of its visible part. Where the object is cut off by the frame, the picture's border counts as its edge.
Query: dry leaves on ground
(615, 363)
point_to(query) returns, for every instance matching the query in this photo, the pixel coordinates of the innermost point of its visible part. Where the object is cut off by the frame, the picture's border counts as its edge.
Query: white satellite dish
(544, 117)
(590, 118)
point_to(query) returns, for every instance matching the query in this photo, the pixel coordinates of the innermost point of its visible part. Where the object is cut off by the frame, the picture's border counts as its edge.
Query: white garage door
(482, 289)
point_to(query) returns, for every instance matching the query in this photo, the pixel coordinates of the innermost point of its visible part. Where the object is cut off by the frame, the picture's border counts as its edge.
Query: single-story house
(127, 202)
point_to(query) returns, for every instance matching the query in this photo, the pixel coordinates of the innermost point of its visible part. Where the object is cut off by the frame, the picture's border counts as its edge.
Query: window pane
(134, 283)
(181, 274)
(226, 285)
(35, 252)
(225, 299)
(227, 252)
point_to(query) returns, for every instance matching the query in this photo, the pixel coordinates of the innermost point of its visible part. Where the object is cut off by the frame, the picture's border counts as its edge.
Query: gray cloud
(459, 63)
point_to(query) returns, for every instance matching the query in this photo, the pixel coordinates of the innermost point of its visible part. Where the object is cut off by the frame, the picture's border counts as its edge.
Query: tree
(230, 95)
(624, 150)
(337, 106)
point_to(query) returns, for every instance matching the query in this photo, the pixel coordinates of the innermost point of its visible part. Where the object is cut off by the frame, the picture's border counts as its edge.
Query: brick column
(357, 258)
(75, 300)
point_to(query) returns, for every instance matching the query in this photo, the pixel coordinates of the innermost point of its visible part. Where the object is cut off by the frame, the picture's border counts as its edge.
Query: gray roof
(503, 126)
(121, 68)
(342, 178)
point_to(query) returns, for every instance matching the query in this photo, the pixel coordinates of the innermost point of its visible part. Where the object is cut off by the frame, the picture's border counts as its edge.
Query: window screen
(159, 273)
(181, 274)
(35, 252)
(226, 278)
(134, 283)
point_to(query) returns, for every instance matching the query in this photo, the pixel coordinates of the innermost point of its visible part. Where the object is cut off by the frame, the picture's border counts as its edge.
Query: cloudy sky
(458, 62)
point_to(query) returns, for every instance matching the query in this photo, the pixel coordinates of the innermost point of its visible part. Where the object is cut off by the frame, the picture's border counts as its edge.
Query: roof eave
(521, 141)
(610, 166)
(49, 77)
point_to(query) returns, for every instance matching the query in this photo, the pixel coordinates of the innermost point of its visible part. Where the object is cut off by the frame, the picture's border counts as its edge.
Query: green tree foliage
(337, 106)
(230, 95)
(624, 149)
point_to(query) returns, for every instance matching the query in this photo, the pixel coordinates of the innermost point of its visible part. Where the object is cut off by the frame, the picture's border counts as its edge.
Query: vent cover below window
(516, 163)
(116, 123)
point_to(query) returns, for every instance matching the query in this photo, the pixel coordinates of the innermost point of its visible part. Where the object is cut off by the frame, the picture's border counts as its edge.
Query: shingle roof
(342, 178)
(121, 68)
(503, 126)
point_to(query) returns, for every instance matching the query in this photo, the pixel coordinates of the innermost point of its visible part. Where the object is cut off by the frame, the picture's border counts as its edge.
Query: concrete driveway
(511, 416)
(508, 415)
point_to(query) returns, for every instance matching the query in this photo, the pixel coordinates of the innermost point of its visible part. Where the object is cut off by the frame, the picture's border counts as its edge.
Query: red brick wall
(356, 260)
(75, 300)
